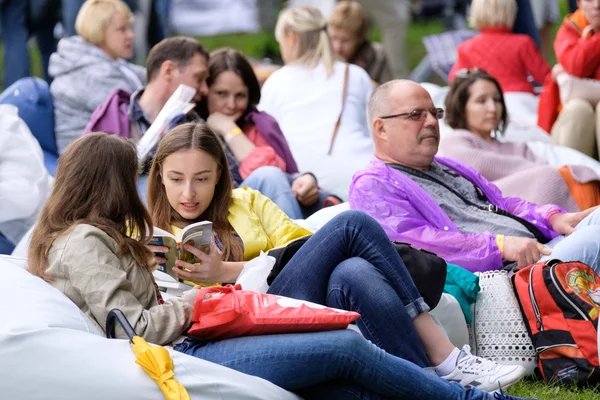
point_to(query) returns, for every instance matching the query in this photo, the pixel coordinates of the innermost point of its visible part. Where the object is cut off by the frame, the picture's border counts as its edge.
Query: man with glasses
(446, 207)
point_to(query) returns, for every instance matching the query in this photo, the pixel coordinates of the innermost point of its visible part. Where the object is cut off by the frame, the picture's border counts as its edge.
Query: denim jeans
(582, 245)
(6, 246)
(525, 22)
(142, 188)
(351, 264)
(277, 185)
(306, 361)
(19, 20)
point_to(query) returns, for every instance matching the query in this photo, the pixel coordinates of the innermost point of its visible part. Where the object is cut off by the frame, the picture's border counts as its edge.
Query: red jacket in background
(577, 49)
(507, 56)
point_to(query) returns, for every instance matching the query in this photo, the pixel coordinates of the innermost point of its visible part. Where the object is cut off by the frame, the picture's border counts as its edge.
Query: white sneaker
(473, 371)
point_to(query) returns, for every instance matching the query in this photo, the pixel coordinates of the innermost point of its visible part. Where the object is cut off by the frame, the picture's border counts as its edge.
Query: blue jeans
(525, 22)
(142, 188)
(351, 264)
(6, 246)
(21, 19)
(582, 245)
(306, 361)
(277, 185)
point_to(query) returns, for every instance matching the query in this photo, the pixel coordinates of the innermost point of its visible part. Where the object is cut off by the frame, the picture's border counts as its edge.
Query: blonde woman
(87, 67)
(511, 58)
(307, 97)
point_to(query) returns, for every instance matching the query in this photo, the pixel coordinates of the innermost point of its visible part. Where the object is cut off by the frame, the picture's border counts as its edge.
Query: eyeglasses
(419, 114)
(466, 72)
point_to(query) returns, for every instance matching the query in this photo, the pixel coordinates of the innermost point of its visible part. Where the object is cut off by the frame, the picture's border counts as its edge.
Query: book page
(201, 234)
(178, 103)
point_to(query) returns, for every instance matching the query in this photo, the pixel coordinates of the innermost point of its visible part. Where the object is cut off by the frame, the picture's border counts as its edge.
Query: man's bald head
(379, 103)
(404, 139)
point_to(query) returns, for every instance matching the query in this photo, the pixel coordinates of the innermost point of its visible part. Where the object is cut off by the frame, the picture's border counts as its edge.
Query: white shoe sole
(504, 384)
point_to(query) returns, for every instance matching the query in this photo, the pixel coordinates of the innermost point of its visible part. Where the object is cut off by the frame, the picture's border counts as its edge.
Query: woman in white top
(305, 97)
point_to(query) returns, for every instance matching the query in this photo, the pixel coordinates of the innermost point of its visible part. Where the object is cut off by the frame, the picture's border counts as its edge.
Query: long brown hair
(96, 185)
(195, 136)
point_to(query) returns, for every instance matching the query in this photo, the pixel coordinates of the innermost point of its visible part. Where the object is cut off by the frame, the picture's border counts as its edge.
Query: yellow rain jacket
(260, 223)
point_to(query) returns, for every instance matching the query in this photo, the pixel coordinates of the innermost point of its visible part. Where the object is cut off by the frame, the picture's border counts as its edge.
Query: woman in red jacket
(512, 58)
(577, 46)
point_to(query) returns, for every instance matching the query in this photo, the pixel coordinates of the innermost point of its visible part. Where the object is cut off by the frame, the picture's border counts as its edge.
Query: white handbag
(571, 87)
(498, 331)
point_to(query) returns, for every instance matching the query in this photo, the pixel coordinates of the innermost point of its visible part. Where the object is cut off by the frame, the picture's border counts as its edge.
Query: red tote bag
(235, 312)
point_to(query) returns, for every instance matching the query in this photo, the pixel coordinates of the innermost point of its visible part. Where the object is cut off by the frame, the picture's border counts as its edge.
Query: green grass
(542, 391)
(256, 45)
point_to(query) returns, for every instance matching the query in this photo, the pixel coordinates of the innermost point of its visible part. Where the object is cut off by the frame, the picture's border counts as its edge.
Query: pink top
(262, 155)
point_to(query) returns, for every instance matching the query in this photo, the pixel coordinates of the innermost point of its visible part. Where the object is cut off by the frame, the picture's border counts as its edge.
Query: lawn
(539, 390)
(263, 44)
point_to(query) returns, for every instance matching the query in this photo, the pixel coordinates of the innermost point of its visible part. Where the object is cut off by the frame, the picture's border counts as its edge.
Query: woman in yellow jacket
(349, 263)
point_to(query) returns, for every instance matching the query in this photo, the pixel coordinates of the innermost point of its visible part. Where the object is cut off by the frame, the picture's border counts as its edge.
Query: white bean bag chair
(50, 350)
(24, 180)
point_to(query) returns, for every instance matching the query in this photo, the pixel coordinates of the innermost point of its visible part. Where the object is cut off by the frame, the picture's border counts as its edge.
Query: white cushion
(50, 350)
(449, 316)
(321, 217)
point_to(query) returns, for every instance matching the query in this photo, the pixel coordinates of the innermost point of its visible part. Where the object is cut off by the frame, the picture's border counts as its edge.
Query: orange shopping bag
(235, 312)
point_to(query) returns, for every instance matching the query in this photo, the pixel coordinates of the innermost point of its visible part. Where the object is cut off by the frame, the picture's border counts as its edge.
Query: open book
(199, 233)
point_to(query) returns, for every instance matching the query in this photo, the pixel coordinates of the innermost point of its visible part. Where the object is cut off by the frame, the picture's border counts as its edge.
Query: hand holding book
(168, 248)
(159, 251)
(208, 269)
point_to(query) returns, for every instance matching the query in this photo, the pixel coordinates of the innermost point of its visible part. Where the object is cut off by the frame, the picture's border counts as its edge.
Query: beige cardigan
(84, 265)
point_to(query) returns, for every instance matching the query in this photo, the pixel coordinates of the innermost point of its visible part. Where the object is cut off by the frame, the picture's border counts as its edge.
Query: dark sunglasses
(419, 114)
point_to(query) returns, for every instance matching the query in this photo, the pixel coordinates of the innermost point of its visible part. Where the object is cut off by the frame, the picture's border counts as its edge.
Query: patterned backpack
(560, 302)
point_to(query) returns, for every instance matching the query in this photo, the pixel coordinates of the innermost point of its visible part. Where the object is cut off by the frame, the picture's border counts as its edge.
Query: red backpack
(560, 303)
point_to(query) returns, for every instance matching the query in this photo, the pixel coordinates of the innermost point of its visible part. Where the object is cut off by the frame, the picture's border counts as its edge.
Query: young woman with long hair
(82, 246)
(349, 263)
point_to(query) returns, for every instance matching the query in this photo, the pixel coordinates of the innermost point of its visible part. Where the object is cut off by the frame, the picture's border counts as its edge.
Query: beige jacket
(84, 265)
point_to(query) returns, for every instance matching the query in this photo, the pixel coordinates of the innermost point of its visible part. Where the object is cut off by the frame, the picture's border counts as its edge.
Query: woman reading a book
(349, 263)
(81, 246)
(256, 149)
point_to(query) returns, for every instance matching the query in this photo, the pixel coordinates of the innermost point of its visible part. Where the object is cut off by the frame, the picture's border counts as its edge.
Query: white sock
(449, 363)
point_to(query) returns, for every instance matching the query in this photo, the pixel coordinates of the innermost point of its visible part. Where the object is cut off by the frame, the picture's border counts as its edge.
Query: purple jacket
(112, 116)
(269, 129)
(408, 214)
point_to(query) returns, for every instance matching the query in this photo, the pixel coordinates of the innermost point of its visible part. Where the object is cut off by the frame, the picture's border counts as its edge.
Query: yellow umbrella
(155, 360)
(157, 363)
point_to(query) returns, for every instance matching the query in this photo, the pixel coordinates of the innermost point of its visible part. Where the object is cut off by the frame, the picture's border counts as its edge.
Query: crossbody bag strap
(339, 120)
(539, 236)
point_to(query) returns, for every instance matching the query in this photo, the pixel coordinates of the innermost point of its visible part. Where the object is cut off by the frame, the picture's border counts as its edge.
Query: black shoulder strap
(539, 236)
